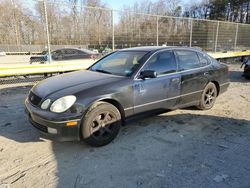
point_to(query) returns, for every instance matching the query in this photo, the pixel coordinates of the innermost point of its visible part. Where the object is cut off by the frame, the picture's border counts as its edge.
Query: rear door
(70, 54)
(82, 55)
(194, 75)
(160, 92)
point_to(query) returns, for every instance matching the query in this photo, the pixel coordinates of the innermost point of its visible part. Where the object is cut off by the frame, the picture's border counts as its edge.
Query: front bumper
(52, 125)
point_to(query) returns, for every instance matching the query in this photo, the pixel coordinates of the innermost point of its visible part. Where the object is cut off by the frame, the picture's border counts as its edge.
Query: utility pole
(157, 30)
(113, 30)
(47, 30)
(191, 33)
(216, 37)
(15, 25)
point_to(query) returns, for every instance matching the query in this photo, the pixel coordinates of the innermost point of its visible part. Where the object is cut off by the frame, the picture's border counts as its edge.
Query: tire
(208, 97)
(101, 124)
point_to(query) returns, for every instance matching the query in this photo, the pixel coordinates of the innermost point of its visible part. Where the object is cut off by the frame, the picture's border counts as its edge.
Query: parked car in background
(106, 51)
(246, 67)
(2, 53)
(65, 54)
(39, 58)
(92, 104)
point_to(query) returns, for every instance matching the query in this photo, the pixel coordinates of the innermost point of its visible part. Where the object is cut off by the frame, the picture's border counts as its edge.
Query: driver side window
(162, 63)
(56, 54)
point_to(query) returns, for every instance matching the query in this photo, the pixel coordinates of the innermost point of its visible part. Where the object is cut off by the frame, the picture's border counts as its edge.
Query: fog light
(52, 131)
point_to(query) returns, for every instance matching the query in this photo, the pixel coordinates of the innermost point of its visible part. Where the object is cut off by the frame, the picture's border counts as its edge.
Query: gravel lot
(181, 148)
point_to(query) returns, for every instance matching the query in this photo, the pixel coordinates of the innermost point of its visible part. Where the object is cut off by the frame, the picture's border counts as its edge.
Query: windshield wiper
(103, 71)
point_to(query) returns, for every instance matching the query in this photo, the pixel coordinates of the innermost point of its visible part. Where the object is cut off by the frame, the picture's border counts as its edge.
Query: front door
(162, 91)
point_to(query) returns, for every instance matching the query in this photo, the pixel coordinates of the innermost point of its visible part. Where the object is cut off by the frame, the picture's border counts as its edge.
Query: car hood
(83, 79)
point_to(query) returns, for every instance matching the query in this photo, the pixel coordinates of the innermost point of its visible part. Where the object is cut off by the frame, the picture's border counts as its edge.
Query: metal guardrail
(23, 53)
(17, 70)
(224, 55)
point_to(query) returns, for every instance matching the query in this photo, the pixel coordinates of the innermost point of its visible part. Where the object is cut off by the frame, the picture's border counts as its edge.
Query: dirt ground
(181, 148)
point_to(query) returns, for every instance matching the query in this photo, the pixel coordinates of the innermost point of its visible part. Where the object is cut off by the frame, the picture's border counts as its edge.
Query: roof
(144, 48)
(156, 48)
(80, 49)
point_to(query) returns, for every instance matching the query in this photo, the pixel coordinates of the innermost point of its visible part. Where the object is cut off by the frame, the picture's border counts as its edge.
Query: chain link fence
(39, 27)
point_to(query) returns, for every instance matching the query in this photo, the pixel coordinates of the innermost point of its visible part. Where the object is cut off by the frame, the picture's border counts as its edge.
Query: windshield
(248, 61)
(122, 63)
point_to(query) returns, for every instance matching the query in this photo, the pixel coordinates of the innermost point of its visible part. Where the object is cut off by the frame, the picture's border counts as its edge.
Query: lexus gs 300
(92, 104)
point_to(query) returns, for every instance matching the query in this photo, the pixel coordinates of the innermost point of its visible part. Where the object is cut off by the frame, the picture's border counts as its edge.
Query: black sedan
(246, 66)
(92, 104)
(65, 54)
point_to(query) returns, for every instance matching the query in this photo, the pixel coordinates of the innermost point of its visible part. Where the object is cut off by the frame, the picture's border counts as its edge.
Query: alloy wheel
(103, 125)
(210, 96)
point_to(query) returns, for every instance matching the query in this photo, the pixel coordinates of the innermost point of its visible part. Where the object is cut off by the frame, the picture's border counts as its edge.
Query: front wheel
(208, 97)
(101, 124)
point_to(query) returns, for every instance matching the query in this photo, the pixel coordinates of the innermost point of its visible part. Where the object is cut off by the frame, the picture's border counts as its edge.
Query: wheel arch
(116, 104)
(217, 86)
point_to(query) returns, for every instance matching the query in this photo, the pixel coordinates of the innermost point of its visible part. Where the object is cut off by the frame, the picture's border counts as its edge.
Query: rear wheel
(208, 97)
(101, 124)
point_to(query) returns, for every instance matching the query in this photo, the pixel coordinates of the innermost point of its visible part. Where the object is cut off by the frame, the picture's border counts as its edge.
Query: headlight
(45, 104)
(63, 104)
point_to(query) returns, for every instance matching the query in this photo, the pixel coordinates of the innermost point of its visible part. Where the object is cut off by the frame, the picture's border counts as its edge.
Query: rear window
(81, 52)
(204, 60)
(187, 59)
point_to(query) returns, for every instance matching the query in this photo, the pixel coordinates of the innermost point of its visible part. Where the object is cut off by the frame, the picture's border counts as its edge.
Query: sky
(118, 4)
(113, 4)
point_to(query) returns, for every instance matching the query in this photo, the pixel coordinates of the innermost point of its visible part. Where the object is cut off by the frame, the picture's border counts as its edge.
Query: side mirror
(148, 74)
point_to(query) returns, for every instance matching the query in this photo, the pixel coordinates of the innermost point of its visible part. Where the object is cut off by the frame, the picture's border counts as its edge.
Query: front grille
(37, 125)
(34, 99)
